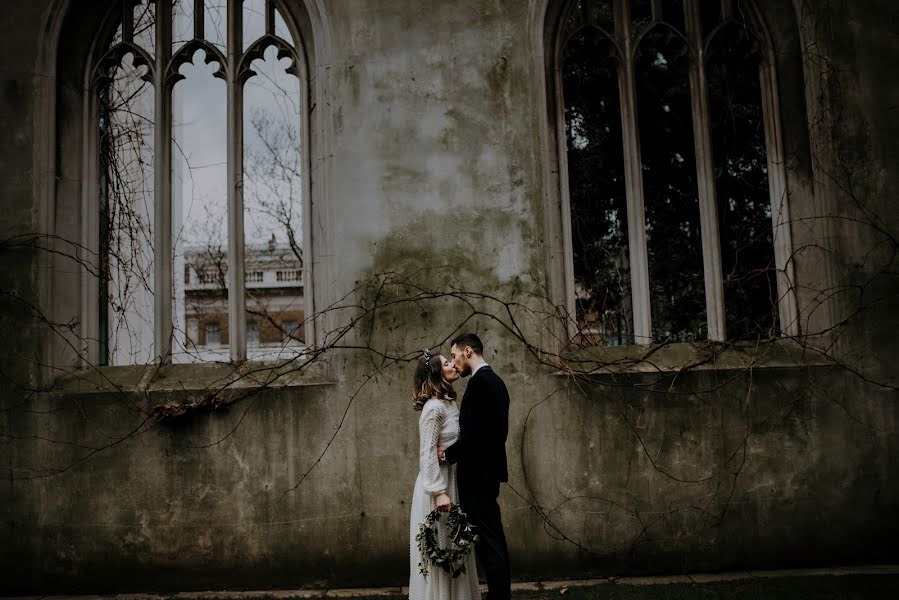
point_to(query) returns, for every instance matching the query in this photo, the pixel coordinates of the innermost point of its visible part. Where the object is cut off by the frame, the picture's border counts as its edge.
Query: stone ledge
(691, 356)
(193, 377)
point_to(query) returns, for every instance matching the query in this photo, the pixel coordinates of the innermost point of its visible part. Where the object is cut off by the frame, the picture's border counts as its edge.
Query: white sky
(200, 134)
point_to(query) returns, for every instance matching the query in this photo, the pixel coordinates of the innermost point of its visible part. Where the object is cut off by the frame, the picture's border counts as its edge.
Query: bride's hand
(443, 502)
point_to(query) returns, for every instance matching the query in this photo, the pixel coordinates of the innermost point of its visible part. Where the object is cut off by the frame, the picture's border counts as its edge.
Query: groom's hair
(469, 339)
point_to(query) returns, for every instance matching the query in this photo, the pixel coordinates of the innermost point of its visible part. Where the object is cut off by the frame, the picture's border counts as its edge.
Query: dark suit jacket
(480, 451)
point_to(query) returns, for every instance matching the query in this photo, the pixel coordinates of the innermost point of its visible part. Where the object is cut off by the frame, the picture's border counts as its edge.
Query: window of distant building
(213, 333)
(253, 333)
(292, 275)
(289, 329)
(675, 223)
(198, 116)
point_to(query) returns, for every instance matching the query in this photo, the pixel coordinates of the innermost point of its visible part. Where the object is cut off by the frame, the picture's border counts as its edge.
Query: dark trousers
(482, 509)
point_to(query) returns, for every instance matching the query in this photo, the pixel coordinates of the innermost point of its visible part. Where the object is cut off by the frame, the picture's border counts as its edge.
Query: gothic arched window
(675, 220)
(199, 149)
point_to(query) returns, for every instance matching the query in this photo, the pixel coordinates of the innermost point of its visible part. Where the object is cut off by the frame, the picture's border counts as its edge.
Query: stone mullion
(633, 177)
(305, 129)
(162, 191)
(199, 20)
(91, 295)
(128, 21)
(236, 286)
(788, 311)
(571, 325)
(727, 9)
(269, 17)
(705, 180)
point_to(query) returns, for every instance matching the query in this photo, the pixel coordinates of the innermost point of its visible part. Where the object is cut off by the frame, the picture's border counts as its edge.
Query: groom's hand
(440, 456)
(443, 502)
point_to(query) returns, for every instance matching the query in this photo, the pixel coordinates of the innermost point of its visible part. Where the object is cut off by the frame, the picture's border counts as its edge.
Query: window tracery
(675, 222)
(200, 136)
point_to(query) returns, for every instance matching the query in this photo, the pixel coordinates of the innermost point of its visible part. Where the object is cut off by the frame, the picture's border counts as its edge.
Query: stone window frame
(562, 284)
(163, 73)
(71, 31)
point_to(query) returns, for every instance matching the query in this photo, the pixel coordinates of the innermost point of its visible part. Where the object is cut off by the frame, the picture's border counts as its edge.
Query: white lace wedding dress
(438, 424)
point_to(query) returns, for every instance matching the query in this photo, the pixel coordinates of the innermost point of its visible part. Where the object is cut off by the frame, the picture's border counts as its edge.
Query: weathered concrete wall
(19, 217)
(432, 130)
(434, 148)
(860, 171)
(796, 471)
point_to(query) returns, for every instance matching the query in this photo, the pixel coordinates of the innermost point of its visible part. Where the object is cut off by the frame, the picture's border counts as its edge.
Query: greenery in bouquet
(461, 540)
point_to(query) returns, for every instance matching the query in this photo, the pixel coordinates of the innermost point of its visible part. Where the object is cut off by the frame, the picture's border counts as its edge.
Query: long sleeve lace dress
(438, 424)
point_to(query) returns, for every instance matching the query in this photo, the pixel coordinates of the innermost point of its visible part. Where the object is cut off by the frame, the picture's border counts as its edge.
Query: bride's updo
(429, 382)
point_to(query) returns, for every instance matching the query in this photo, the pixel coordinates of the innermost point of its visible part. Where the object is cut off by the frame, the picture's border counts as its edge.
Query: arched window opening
(202, 184)
(670, 194)
(126, 134)
(199, 210)
(596, 182)
(736, 118)
(273, 224)
(674, 214)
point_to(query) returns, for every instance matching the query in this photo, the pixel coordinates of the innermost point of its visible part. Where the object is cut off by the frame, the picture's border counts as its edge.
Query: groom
(480, 453)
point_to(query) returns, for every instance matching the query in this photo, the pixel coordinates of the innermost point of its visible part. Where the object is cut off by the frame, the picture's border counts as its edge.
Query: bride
(435, 486)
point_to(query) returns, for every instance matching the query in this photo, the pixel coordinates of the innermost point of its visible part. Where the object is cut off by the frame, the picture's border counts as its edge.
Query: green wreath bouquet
(451, 558)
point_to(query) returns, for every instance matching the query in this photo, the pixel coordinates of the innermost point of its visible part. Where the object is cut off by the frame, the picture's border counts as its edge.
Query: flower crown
(426, 356)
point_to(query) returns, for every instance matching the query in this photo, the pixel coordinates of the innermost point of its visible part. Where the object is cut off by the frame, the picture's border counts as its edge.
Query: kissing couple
(462, 460)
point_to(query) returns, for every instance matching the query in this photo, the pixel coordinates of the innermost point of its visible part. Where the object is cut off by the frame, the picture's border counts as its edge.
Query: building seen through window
(274, 305)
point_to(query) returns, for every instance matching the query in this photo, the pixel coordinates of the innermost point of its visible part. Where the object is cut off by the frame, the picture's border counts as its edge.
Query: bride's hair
(429, 382)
